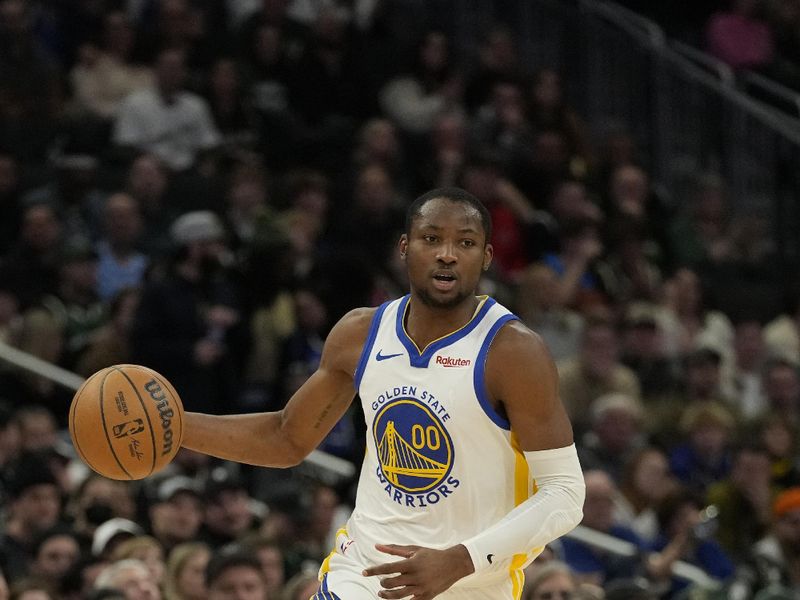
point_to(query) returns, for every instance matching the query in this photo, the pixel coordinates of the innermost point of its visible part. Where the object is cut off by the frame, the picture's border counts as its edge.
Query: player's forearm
(255, 439)
(555, 509)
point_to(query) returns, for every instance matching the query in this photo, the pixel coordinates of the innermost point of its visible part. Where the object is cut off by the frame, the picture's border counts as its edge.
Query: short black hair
(227, 557)
(453, 194)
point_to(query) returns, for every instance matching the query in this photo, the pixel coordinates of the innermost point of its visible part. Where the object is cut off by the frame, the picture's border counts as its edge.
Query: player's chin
(436, 298)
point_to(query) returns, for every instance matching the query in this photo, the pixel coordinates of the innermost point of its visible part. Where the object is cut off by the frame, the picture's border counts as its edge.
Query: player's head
(455, 195)
(446, 246)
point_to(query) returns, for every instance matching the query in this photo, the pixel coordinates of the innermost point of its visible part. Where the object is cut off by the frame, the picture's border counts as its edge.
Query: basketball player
(464, 424)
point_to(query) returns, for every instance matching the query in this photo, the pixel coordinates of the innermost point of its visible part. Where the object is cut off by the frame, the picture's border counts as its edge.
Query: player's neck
(425, 324)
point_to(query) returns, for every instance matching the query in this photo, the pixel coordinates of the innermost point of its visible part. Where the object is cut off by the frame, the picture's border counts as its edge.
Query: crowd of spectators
(206, 187)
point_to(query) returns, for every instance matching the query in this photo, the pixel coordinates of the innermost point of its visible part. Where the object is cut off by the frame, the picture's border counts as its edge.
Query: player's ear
(403, 245)
(488, 253)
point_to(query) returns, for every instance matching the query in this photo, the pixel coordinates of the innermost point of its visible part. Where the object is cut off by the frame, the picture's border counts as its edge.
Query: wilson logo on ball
(128, 428)
(164, 411)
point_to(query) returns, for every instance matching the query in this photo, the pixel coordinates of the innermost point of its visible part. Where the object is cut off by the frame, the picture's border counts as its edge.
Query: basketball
(126, 422)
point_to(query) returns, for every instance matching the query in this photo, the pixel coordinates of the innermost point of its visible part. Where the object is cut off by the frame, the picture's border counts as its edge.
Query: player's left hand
(423, 573)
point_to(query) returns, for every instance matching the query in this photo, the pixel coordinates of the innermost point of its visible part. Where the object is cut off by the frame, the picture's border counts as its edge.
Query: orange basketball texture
(126, 422)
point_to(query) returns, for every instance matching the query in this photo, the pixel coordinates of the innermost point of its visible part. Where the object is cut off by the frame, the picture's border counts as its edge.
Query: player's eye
(429, 238)
(468, 243)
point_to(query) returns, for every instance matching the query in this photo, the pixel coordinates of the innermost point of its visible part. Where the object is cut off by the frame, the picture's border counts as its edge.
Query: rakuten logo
(447, 361)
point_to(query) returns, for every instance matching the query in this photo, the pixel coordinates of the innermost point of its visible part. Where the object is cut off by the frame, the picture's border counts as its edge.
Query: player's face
(445, 252)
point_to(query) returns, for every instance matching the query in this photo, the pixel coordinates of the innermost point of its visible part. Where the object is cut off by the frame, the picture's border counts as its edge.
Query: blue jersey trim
(479, 379)
(370, 341)
(421, 360)
(324, 593)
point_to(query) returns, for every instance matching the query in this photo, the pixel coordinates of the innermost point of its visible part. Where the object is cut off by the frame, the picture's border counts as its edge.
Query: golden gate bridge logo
(414, 449)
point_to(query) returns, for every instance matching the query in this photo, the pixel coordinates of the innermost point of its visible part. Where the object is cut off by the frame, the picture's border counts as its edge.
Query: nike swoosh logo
(489, 558)
(380, 356)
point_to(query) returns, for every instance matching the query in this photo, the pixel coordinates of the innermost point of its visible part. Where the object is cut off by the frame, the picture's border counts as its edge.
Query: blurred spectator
(574, 262)
(615, 434)
(780, 440)
(233, 574)
(596, 371)
(131, 577)
(33, 506)
(176, 511)
(273, 567)
(230, 106)
(301, 586)
(739, 37)
(229, 510)
(551, 581)
(74, 310)
(10, 191)
(447, 151)
(32, 262)
(644, 350)
(183, 322)
(148, 183)
(548, 109)
(629, 272)
(645, 482)
(110, 344)
(781, 334)
(146, 549)
(704, 455)
(741, 379)
(109, 535)
(502, 127)
(55, 552)
(510, 209)
(377, 144)
(186, 567)
(743, 500)
(105, 74)
(497, 60)
(684, 536)
(431, 86)
(29, 84)
(37, 427)
(10, 439)
(95, 501)
(121, 264)
(590, 564)
(771, 562)
(700, 236)
(539, 305)
(374, 219)
(10, 316)
(689, 322)
(782, 387)
(167, 120)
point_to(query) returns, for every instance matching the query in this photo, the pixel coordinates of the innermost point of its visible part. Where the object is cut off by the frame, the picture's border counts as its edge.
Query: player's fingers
(402, 592)
(389, 568)
(396, 581)
(397, 550)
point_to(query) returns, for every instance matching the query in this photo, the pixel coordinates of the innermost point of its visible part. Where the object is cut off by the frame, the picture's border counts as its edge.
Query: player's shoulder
(515, 339)
(354, 326)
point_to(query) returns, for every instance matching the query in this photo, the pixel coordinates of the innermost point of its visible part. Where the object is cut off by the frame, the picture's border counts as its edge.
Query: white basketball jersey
(441, 465)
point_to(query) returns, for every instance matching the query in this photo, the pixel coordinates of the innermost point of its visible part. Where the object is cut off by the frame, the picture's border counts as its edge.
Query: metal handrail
(783, 93)
(633, 23)
(722, 70)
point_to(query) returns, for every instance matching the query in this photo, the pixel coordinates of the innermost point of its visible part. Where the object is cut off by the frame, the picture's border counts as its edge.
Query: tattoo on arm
(322, 415)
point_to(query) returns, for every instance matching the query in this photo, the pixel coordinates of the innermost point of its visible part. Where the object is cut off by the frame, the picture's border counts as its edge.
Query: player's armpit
(286, 437)
(521, 376)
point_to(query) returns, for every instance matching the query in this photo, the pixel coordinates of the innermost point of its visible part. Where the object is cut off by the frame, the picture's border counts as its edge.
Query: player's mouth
(444, 281)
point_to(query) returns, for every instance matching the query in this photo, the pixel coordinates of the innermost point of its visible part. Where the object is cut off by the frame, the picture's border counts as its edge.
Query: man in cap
(186, 320)
(229, 509)
(176, 511)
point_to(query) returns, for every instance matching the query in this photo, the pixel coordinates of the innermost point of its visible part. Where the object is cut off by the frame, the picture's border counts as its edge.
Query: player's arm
(522, 376)
(284, 438)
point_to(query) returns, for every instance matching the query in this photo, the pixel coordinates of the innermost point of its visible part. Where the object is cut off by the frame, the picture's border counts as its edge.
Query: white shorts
(341, 579)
